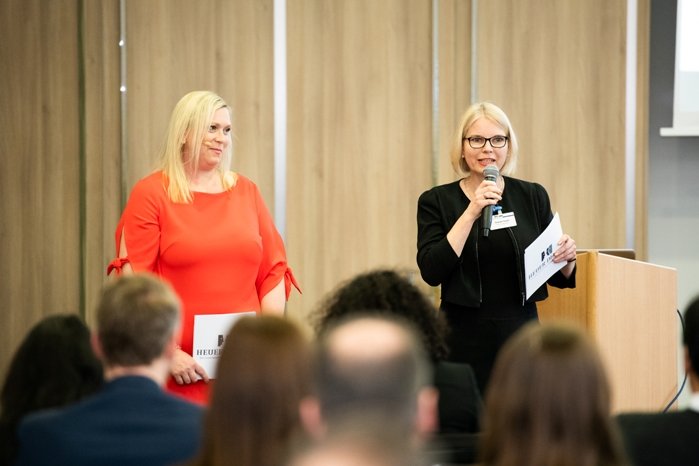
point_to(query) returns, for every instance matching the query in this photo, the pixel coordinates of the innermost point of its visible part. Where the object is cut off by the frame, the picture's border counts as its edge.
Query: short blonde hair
(190, 117)
(495, 114)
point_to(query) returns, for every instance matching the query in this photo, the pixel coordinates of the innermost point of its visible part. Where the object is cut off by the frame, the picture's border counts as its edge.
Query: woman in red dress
(205, 230)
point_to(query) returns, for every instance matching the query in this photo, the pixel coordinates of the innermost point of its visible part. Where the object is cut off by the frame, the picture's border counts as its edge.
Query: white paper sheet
(210, 331)
(538, 257)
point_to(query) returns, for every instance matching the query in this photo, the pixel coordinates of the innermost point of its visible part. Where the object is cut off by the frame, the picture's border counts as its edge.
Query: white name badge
(210, 331)
(501, 221)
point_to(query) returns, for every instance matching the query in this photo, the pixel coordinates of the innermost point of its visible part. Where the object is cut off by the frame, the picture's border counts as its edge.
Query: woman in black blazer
(482, 273)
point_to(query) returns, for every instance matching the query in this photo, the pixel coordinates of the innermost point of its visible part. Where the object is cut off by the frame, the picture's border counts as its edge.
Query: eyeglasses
(477, 142)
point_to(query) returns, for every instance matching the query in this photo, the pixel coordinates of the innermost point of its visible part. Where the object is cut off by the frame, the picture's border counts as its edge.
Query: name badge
(501, 221)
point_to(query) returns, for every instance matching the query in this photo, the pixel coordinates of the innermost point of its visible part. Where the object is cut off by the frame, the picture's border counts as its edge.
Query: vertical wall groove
(124, 154)
(435, 92)
(82, 163)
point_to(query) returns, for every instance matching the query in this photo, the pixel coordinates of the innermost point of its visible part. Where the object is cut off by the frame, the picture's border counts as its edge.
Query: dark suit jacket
(132, 421)
(661, 439)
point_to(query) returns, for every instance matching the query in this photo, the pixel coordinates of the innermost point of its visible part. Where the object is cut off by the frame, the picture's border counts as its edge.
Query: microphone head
(491, 172)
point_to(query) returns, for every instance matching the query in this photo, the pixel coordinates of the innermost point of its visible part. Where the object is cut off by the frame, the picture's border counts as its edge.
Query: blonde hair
(495, 114)
(190, 118)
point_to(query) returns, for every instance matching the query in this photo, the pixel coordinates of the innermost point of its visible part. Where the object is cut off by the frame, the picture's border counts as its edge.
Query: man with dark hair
(132, 421)
(660, 439)
(373, 370)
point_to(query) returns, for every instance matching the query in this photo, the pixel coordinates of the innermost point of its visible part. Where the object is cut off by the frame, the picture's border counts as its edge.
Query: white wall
(673, 190)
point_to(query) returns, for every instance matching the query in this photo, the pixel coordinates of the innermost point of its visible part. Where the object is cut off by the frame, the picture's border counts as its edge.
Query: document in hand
(538, 257)
(209, 336)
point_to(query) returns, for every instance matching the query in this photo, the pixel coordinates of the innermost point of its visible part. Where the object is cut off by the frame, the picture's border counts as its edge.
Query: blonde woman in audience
(263, 374)
(548, 403)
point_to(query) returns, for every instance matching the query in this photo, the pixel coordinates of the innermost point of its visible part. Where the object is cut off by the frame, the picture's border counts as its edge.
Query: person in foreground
(669, 439)
(482, 276)
(131, 421)
(371, 371)
(205, 229)
(53, 367)
(362, 444)
(387, 292)
(264, 372)
(549, 403)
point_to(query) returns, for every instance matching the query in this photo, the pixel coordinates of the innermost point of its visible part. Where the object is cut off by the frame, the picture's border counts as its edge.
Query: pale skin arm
(487, 193)
(566, 252)
(274, 302)
(184, 369)
(126, 269)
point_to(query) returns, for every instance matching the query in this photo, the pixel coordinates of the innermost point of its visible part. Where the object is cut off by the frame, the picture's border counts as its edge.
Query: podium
(628, 307)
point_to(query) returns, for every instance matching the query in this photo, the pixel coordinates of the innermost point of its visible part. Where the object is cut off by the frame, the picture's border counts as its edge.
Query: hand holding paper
(539, 263)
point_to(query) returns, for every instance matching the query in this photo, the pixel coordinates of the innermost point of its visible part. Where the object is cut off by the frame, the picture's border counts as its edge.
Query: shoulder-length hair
(495, 114)
(191, 118)
(548, 402)
(54, 366)
(263, 373)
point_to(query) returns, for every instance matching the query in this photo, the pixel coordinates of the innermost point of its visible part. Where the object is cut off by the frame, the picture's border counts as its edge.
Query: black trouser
(476, 335)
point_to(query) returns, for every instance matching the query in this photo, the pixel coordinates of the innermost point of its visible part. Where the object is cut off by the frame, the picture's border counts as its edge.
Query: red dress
(221, 253)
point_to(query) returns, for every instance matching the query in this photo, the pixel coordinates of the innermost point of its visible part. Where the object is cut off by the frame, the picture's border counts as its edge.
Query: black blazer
(437, 211)
(668, 439)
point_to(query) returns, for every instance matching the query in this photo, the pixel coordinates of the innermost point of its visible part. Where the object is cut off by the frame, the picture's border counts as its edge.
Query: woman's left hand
(566, 250)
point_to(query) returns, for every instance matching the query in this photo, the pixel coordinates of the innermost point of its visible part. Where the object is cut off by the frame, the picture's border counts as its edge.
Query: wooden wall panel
(39, 166)
(454, 64)
(642, 104)
(558, 70)
(102, 145)
(359, 137)
(360, 147)
(177, 46)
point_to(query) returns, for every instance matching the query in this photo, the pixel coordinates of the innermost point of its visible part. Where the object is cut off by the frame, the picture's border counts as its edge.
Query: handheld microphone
(490, 173)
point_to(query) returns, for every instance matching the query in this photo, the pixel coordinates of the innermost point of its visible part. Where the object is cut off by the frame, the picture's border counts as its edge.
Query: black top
(490, 271)
(655, 439)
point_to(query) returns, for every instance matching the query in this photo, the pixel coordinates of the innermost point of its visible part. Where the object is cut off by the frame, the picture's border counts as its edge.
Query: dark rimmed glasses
(477, 142)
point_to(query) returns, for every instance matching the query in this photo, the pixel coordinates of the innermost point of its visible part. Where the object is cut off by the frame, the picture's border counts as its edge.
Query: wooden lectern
(629, 309)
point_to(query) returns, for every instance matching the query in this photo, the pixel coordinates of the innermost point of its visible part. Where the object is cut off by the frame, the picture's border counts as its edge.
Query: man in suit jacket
(670, 439)
(132, 421)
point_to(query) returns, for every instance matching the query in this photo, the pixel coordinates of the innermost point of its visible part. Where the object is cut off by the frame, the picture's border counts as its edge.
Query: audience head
(386, 292)
(263, 373)
(137, 320)
(53, 367)
(496, 115)
(361, 444)
(690, 338)
(375, 368)
(548, 402)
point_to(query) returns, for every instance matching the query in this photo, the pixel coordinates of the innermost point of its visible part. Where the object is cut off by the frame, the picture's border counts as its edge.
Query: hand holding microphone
(490, 173)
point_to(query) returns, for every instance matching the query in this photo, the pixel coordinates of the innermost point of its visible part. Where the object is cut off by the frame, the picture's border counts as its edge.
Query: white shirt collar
(694, 402)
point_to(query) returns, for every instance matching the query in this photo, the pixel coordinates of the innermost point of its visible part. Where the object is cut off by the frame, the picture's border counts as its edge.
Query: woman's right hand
(185, 370)
(487, 193)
